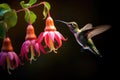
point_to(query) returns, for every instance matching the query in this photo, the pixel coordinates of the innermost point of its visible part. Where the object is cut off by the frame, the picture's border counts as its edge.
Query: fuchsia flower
(30, 45)
(8, 57)
(51, 37)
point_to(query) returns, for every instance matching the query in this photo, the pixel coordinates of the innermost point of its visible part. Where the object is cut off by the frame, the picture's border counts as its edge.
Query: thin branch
(30, 7)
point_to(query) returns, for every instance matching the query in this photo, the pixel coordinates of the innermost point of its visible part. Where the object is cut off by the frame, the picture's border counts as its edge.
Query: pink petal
(60, 35)
(39, 47)
(42, 49)
(51, 35)
(58, 39)
(40, 37)
(47, 40)
(26, 46)
(26, 56)
(45, 33)
(36, 46)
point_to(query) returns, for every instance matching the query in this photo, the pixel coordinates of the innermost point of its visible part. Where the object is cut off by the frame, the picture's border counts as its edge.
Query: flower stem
(5, 26)
(48, 14)
(28, 11)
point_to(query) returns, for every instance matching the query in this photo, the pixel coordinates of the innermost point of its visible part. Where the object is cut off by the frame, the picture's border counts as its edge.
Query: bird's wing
(87, 27)
(97, 30)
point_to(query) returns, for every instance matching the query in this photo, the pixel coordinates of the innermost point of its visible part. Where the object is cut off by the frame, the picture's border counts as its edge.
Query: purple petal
(16, 58)
(25, 49)
(10, 55)
(3, 59)
(36, 47)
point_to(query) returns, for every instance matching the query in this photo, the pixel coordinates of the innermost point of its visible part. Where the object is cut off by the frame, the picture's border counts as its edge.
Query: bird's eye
(73, 24)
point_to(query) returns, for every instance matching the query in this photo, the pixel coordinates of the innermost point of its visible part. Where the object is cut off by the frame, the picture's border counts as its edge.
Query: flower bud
(7, 46)
(50, 24)
(30, 33)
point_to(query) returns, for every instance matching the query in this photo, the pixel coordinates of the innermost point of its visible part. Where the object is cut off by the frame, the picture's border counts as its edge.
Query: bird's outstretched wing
(97, 30)
(87, 27)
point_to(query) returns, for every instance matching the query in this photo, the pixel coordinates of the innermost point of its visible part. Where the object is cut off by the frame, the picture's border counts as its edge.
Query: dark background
(70, 62)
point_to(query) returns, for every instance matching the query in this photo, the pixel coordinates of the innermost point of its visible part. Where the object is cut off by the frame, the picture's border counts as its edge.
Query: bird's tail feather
(93, 50)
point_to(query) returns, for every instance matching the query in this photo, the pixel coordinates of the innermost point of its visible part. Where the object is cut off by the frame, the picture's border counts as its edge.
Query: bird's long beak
(62, 21)
(67, 23)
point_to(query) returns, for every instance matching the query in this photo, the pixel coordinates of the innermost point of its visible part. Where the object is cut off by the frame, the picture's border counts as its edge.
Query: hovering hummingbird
(83, 36)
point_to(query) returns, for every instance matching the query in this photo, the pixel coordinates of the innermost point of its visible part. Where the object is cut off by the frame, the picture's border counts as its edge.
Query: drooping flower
(51, 37)
(8, 58)
(30, 45)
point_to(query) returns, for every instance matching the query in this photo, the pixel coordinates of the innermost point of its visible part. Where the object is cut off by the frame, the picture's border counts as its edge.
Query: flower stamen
(8, 65)
(32, 54)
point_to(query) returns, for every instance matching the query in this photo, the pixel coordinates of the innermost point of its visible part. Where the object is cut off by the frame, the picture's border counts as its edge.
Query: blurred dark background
(70, 62)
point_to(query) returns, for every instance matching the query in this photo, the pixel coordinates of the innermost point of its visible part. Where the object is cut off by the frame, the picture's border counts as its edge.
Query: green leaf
(3, 9)
(5, 6)
(47, 5)
(2, 31)
(45, 12)
(30, 18)
(22, 3)
(31, 2)
(10, 18)
(46, 9)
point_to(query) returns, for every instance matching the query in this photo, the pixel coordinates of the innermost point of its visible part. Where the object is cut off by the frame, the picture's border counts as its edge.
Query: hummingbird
(84, 35)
